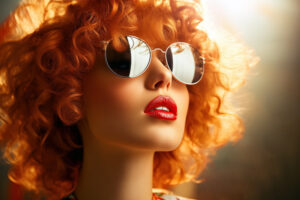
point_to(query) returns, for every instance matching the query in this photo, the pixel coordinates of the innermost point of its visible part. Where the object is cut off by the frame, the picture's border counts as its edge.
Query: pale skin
(119, 139)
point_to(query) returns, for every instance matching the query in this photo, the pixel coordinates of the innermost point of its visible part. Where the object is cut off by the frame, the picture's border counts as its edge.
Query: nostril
(158, 84)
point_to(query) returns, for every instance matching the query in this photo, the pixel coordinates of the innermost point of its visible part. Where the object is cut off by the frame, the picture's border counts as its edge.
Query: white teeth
(161, 108)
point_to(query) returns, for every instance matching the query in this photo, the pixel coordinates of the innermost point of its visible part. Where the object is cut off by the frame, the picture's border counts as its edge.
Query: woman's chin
(166, 141)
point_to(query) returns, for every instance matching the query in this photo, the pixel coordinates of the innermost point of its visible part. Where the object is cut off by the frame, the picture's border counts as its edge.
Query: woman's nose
(158, 74)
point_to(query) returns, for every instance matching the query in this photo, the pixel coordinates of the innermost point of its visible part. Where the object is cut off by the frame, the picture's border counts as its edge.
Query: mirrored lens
(185, 62)
(132, 60)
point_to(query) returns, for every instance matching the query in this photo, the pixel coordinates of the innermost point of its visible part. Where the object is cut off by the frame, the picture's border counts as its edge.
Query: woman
(112, 99)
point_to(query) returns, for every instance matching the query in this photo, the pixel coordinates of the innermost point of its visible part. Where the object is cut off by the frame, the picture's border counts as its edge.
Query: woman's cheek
(115, 98)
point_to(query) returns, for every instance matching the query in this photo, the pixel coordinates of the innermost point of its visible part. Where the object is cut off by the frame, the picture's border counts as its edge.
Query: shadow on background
(263, 165)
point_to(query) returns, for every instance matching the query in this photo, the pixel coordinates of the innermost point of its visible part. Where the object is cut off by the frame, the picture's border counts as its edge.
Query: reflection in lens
(130, 62)
(185, 62)
(118, 61)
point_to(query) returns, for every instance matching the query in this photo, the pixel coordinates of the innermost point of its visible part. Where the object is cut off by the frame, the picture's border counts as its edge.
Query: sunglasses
(184, 61)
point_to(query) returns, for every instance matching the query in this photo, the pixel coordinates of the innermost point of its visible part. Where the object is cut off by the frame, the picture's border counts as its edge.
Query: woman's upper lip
(162, 101)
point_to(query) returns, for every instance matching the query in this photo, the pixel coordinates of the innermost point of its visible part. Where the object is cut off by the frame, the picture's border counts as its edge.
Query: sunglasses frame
(107, 42)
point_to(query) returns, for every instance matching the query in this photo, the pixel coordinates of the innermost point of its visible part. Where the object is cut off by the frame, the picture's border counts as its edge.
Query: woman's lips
(162, 101)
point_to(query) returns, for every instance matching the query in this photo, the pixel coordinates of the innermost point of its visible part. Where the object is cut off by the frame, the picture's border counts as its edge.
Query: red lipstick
(163, 107)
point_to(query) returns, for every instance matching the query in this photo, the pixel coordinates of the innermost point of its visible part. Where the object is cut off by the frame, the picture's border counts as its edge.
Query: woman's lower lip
(162, 114)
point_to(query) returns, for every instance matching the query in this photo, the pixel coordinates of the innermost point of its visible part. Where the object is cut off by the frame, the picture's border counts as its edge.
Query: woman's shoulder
(164, 194)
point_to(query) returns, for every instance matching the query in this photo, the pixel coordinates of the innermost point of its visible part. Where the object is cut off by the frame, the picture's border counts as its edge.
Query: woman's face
(114, 107)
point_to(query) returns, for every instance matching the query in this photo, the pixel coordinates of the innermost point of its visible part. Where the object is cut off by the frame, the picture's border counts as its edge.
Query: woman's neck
(114, 172)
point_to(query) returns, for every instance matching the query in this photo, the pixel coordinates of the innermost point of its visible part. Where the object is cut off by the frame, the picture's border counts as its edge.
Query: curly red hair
(46, 49)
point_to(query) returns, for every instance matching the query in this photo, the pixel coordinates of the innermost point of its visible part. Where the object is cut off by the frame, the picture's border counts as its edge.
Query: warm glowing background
(263, 164)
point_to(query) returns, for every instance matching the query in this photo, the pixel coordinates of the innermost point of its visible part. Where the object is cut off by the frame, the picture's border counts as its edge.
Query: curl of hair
(46, 49)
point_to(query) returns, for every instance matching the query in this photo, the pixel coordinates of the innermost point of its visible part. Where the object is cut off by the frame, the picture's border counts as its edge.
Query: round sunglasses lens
(185, 62)
(129, 58)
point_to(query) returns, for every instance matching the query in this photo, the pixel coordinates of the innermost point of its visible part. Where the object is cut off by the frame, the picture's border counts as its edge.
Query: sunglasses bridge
(158, 49)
